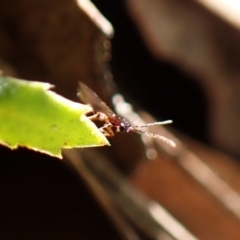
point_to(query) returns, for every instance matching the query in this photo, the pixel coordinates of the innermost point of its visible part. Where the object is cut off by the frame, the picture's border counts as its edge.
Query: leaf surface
(34, 117)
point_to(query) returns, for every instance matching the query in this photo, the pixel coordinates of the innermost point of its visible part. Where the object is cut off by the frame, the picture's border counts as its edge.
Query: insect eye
(122, 127)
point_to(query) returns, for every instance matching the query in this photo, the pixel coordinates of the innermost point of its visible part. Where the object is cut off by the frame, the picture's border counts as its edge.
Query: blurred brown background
(175, 60)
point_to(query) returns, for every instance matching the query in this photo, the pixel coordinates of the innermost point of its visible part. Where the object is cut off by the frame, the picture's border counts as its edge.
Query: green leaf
(34, 117)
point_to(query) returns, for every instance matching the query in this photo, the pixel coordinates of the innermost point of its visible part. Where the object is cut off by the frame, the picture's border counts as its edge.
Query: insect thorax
(119, 123)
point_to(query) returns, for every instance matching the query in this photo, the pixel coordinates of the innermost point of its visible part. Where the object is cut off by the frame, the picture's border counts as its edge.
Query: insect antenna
(154, 135)
(154, 124)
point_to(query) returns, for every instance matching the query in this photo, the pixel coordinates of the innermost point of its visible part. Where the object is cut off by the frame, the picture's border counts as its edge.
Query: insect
(112, 122)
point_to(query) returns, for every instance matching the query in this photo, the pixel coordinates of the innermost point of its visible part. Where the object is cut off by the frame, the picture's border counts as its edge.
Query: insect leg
(99, 117)
(107, 130)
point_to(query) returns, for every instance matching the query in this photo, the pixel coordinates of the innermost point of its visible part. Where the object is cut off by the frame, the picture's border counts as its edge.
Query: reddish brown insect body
(112, 122)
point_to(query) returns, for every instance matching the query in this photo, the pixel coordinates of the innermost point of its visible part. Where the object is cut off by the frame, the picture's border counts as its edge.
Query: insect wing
(91, 98)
